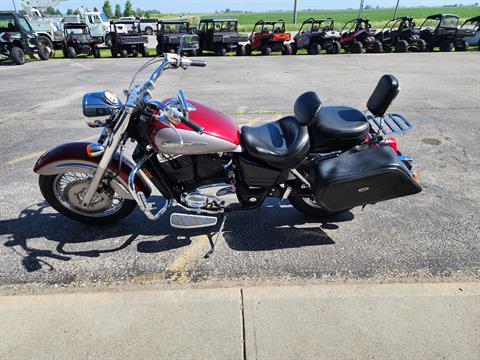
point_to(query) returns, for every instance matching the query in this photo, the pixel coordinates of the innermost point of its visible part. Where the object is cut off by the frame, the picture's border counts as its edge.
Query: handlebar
(199, 63)
(193, 125)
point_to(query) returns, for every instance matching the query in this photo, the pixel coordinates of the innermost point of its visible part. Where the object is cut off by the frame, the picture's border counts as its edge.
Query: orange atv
(269, 36)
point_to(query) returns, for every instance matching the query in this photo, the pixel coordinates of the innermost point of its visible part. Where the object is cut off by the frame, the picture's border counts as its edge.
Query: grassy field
(378, 17)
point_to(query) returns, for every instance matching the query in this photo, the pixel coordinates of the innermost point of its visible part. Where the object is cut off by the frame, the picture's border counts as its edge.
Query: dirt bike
(325, 160)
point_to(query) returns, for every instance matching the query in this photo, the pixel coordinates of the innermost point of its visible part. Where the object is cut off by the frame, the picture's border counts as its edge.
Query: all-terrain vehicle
(169, 34)
(221, 36)
(441, 30)
(357, 35)
(77, 40)
(315, 35)
(268, 37)
(126, 39)
(18, 39)
(401, 35)
(473, 24)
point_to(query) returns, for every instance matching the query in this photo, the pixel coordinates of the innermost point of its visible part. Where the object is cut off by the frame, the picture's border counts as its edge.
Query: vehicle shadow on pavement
(27, 233)
(278, 227)
(267, 228)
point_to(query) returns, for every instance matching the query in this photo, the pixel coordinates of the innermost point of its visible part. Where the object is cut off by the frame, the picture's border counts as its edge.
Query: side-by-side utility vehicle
(442, 31)
(78, 40)
(18, 39)
(126, 39)
(401, 35)
(316, 35)
(268, 37)
(221, 36)
(358, 35)
(169, 34)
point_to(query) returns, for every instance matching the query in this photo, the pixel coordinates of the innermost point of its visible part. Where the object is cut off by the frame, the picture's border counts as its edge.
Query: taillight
(392, 142)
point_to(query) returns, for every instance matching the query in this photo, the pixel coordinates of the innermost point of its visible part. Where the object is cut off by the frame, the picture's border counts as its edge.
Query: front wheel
(65, 192)
(17, 55)
(309, 207)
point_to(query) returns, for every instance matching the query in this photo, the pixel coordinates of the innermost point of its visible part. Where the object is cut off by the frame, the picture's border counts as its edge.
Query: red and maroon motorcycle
(325, 159)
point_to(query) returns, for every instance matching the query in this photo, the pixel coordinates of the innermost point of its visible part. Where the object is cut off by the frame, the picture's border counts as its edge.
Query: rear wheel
(65, 192)
(248, 49)
(287, 49)
(294, 48)
(96, 52)
(401, 47)
(314, 49)
(114, 53)
(308, 206)
(461, 46)
(421, 45)
(144, 51)
(357, 47)
(43, 52)
(124, 53)
(45, 41)
(335, 48)
(72, 54)
(108, 40)
(446, 46)
(159, 50)
(266, 50)
(17, 55)
(378, 47)
(221, 51)
(241, 50)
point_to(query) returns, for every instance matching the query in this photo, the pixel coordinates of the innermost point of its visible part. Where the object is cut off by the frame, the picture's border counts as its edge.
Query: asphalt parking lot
(432, 236)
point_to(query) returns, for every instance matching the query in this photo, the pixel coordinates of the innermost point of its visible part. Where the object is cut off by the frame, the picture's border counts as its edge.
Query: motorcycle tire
(47, 183)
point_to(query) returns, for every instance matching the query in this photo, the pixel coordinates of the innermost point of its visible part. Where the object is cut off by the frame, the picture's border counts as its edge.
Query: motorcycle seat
(282, 144)
(337, 127)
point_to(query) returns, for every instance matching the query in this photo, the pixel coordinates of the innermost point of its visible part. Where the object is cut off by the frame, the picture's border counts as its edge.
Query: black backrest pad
(306, 106)
(386, 91)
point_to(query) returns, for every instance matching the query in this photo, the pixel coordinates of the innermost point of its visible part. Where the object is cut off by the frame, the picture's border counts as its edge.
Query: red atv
(358, 35)
(269, 36)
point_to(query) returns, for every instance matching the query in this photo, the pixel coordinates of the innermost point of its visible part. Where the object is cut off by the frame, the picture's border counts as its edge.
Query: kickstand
(213, 243)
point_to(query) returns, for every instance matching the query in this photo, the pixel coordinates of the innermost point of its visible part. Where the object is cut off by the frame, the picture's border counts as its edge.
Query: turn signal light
(95, 150)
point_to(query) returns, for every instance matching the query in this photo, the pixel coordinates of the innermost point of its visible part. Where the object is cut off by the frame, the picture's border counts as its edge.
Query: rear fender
(73, 157)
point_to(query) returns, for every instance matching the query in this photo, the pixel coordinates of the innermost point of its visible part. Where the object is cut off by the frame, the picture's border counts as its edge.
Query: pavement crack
(242, 314)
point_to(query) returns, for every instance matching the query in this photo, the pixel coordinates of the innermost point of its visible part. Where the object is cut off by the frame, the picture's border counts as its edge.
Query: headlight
(100, 104)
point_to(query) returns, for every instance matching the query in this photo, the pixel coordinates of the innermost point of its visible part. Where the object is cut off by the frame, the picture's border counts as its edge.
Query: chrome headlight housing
(100, 104)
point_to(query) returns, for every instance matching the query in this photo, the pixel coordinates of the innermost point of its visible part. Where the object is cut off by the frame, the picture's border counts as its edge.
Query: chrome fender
(73, 157)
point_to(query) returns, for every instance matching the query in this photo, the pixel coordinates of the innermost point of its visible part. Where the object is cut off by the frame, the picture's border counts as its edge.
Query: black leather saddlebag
(363, 177)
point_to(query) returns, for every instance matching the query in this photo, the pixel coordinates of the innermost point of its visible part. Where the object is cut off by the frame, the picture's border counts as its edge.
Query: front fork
(111, 148)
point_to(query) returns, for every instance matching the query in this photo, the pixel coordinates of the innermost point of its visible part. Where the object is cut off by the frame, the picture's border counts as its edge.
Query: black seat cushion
(338, 128)
(282, 144)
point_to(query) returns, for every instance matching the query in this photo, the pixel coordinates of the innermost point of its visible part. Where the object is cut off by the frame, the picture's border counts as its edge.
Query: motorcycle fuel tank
(221, 134)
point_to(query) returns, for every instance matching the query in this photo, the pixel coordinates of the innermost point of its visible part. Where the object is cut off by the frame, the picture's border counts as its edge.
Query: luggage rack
(391, 123)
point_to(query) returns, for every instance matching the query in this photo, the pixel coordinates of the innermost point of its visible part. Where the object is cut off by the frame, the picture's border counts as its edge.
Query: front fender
(74, 157)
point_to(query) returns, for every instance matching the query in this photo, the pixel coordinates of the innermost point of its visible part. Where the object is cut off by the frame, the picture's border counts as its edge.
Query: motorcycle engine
(188, 172)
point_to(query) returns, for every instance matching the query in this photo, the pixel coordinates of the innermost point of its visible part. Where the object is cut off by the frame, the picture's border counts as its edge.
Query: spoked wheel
(309, 206)
(65, 193)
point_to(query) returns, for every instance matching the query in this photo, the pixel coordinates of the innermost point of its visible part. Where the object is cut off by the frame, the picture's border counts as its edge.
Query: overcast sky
(202, 6)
